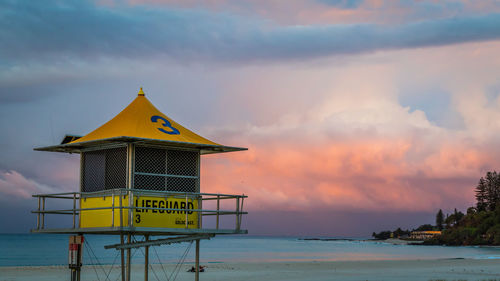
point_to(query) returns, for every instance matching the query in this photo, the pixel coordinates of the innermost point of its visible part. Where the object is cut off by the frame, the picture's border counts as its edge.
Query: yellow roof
(142, 122)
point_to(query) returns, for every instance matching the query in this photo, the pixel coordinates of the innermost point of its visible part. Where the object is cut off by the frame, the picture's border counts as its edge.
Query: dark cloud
(54, 31)
(24, 93)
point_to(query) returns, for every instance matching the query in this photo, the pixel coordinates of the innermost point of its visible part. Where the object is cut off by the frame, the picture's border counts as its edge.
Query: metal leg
(241, 211)
(43, 214)
(129, 256)
(38, 215)
(75, 256)
(197, 261)
(237, 213)
(218, 208)
(80, 258)
(123, 257)
(146, 259)
(74, 210)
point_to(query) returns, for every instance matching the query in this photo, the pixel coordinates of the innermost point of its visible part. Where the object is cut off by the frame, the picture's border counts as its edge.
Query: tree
(447, 221)
(450, 220)
(424, 227)
(440, 219)
(481, 225)
(481, 195)
(488, 192)
(458, 216)
(398, 233)
(492, 182)
(382, 235)
(471, 211)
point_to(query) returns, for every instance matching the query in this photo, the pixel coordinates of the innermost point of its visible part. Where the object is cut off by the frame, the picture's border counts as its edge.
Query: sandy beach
(452, 269)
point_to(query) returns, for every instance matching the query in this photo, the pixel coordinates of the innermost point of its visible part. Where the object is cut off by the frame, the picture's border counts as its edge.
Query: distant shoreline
(394, 241)
(333, 239)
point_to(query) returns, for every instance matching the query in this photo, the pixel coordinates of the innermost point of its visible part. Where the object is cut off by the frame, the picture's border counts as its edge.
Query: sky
(358, 116)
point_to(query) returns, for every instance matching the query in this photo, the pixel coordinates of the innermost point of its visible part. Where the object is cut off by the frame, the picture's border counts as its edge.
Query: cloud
(347, 133)
(15, 185)
(343, 4)
(418, 172)
(358, 148)
(305, 12)
(336, 129)
(55, 32)
(16, 202)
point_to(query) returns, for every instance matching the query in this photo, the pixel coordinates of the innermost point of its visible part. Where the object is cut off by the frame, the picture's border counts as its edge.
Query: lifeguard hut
(140, 175)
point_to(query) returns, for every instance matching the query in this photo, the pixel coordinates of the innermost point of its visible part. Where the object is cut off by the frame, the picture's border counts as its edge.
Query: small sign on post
(75, 256)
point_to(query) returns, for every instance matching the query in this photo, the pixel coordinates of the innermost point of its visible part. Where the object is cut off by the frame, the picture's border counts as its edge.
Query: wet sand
(452, 269)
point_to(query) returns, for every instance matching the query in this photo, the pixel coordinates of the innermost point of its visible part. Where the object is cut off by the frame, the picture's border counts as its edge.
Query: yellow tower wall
(141, 217)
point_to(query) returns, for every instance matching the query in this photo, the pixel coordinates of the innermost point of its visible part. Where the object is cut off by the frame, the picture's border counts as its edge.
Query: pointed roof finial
(141, 92)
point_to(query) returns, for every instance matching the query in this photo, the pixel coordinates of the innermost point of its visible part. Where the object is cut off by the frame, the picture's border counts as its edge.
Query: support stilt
(123, 257)
(126, 266)
(75, 256)
(129, 256)
(146, 259)
(75, 274)
(197, 261)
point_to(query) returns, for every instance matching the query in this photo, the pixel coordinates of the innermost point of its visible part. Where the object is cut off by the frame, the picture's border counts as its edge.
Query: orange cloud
(373, 174)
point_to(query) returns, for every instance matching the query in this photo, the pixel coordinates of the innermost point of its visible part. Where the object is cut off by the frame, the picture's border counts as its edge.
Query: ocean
(45, 249)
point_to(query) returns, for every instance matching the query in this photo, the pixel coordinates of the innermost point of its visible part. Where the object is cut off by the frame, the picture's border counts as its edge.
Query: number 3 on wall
(166, 124)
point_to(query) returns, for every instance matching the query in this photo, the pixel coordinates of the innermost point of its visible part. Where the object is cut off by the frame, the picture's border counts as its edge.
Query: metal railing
(129, 194)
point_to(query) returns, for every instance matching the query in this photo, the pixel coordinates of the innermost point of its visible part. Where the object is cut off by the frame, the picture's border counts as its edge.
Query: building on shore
(424, 235)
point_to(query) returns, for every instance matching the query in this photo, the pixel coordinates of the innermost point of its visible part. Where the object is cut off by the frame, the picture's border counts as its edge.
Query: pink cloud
(15, 185)
(369, 175)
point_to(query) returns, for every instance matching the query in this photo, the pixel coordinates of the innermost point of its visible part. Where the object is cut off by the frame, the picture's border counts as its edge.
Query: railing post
(218, 208)
(200, 213)
(43, 212)
(237, 213)
(185, 211)
(74, 210)
(131, 209)
(113, 208)
(121, 209)
(241, 210)
(38, 215)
